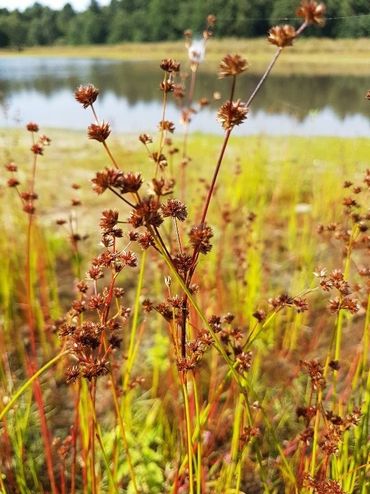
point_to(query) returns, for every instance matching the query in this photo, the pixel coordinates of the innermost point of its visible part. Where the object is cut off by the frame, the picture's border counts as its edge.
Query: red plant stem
(215, 175)
(62, 478)
(32, 362)
(271, 65)
(74, 441)
(92, 392)
(190, 102)
(44, 427)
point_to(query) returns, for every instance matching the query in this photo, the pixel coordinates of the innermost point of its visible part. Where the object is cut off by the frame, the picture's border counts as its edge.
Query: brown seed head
(281, 36)
(170, 65)
(11, 167)
(203, 102)
(146, 214)
(37, 149)
(368, 95)
(178, 91)
(99, 132)
(200, 236)
(232, 65)
(32, 127)
(13, 182)
(167, 86)
(86, 95)
(232, 113)
(166, 125)
(105, 179)
(312, 12)
(145, 138)
(109, 219)
(175, 209)
(211, 20)
(29, 208)
(323, 486)
(129, 182)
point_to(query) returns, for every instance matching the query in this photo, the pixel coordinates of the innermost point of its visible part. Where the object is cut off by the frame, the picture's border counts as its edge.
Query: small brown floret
(29, 196)
(72, 374)
(93, 369)
(11, 167)
(160, 159)
(368, 95)
(146, 240)
(232, 65)
(29, 208)
(323, 486)
(316, 373)
(44, 140)
(170, 65)
(260, 315)
(166, 125)
(175, 209)
(146, 213)
(13, 182)
(32, 127)
(232, 113)
(167, 86)
(129, 182)
(200, 236)
(109, 219)
(86, 95)
(37, 149)
(105, 179)
(145, 138)
(183, 262)
(281, 36)
(178, 91)
(203, 102)
(312, 12)
(99, 132)
(211, 20)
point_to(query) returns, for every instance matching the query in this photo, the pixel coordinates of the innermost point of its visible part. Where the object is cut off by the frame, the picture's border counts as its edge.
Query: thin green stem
(29, 382)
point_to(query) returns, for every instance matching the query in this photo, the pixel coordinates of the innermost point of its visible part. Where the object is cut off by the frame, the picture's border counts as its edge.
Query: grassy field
(322, 56)
(272, 196)
(186, 314)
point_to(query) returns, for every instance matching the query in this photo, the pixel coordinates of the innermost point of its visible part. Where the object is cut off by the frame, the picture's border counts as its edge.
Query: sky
(55, 4)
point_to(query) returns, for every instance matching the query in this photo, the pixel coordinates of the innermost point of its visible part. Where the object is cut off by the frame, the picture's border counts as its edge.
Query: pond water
(41, 90)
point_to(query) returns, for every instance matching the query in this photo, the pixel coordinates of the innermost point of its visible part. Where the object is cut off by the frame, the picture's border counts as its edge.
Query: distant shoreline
(318, 55)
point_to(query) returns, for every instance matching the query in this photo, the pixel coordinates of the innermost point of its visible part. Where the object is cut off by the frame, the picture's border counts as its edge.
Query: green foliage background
(160, 20)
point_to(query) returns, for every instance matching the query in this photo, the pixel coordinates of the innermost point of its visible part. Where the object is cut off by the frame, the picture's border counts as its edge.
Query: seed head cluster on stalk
(92, 325)
(152, 218)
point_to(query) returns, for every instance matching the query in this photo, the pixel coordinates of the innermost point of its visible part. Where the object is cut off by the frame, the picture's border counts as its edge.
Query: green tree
(63, 19)
(162, 14)
(15, 29)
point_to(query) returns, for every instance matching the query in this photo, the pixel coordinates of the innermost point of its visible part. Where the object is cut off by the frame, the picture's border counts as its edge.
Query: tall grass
(223, 354)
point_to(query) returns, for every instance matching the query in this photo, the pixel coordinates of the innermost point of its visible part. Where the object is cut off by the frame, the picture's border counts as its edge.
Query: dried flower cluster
(86, 95)
(232, 65)
(312, 12)
(232, 113)
(91, 329)
(282, 36)
(28, 197)
(323, 486)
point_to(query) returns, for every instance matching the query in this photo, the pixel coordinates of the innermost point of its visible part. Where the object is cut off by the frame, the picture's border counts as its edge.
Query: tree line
(160, 20)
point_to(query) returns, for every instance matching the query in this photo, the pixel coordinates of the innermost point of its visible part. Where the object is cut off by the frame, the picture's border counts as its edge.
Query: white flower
(197, 51)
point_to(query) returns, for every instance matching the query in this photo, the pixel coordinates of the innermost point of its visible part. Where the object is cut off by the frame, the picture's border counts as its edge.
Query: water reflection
(42, 90)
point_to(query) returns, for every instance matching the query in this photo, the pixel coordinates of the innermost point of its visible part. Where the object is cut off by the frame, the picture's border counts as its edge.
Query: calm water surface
(41, 90)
